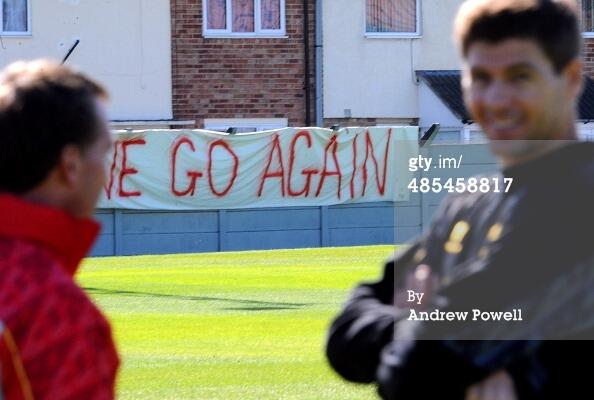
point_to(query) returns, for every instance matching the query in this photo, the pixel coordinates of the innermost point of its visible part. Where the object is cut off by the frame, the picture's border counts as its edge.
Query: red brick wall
(240, 78)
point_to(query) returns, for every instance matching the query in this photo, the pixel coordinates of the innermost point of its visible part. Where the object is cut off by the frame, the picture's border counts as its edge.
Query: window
(392, 18)
(244, 125)
(230, 18)
(587, 17)
(15, 17)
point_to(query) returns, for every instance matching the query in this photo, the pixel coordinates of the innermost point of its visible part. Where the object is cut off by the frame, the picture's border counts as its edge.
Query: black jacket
(530, 249)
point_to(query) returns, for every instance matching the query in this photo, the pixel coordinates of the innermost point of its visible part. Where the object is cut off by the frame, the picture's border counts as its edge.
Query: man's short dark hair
(44, 107)
(552, 24)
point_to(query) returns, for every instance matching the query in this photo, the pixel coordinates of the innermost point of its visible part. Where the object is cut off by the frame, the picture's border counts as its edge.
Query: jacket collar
(68, 238)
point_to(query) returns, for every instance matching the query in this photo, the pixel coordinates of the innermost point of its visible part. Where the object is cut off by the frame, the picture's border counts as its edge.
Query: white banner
(199, 169)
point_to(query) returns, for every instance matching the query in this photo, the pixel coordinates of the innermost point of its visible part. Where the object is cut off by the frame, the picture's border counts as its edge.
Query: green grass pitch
(244, 325)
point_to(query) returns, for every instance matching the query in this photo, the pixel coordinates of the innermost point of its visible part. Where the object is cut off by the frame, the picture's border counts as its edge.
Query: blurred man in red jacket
(54, 342)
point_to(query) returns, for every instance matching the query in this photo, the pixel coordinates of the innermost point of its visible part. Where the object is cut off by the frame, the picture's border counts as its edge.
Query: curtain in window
(587, 16)
(217, 15)
(391, 16)
(270, 14)
(14, 15)
(243, 15)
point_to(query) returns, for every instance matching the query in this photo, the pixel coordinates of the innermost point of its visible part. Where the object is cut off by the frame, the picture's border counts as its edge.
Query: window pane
(270, 14)
(217, 16)
(587, 25)
(14, 15)
(391, 16)
(243, 15)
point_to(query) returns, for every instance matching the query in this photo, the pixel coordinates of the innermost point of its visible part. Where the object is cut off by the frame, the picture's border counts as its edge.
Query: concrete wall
(124, 44)
(374, 77)
(127, 232)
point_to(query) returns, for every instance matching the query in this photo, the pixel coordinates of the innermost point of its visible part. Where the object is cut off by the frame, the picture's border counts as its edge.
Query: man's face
(92, 174)
(512, 90)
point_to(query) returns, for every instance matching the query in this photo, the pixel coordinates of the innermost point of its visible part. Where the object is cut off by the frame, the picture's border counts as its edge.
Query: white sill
(16, 35)
(588, 34)
(243, 36)
(370, 35)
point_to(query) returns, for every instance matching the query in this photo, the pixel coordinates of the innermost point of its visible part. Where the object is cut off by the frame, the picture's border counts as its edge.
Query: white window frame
(12, 33)
(258, 32)
(261, 124)
(392, 35)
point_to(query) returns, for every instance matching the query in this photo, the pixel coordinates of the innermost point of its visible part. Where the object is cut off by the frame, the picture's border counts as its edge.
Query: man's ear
(573, 75)
(70, 165)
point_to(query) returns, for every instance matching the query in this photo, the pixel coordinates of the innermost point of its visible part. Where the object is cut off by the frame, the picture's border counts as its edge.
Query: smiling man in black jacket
(528, 249)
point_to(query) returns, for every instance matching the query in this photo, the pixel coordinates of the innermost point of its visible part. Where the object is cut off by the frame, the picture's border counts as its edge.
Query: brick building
(244, 67)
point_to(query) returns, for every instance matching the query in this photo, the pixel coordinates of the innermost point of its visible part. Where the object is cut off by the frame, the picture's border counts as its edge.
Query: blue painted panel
(379, 204)
(414, 200)
(170, 222)
(161, 243)
(273, 219)
(361, 236)
(103, 246)
(273, 240)
(361, 217)
(105, 218)
(408, 216)
(324, 227)
(404, 235)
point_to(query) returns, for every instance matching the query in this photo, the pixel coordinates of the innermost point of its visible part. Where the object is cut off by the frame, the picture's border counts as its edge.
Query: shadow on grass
(260, 308)
(256, 304)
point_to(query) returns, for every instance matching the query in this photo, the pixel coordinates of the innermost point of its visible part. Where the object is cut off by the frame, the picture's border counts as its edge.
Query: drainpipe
(319, 46)
(306, 62)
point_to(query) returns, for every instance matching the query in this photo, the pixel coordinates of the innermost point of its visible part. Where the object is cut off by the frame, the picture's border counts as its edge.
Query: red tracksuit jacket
(54, 342)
